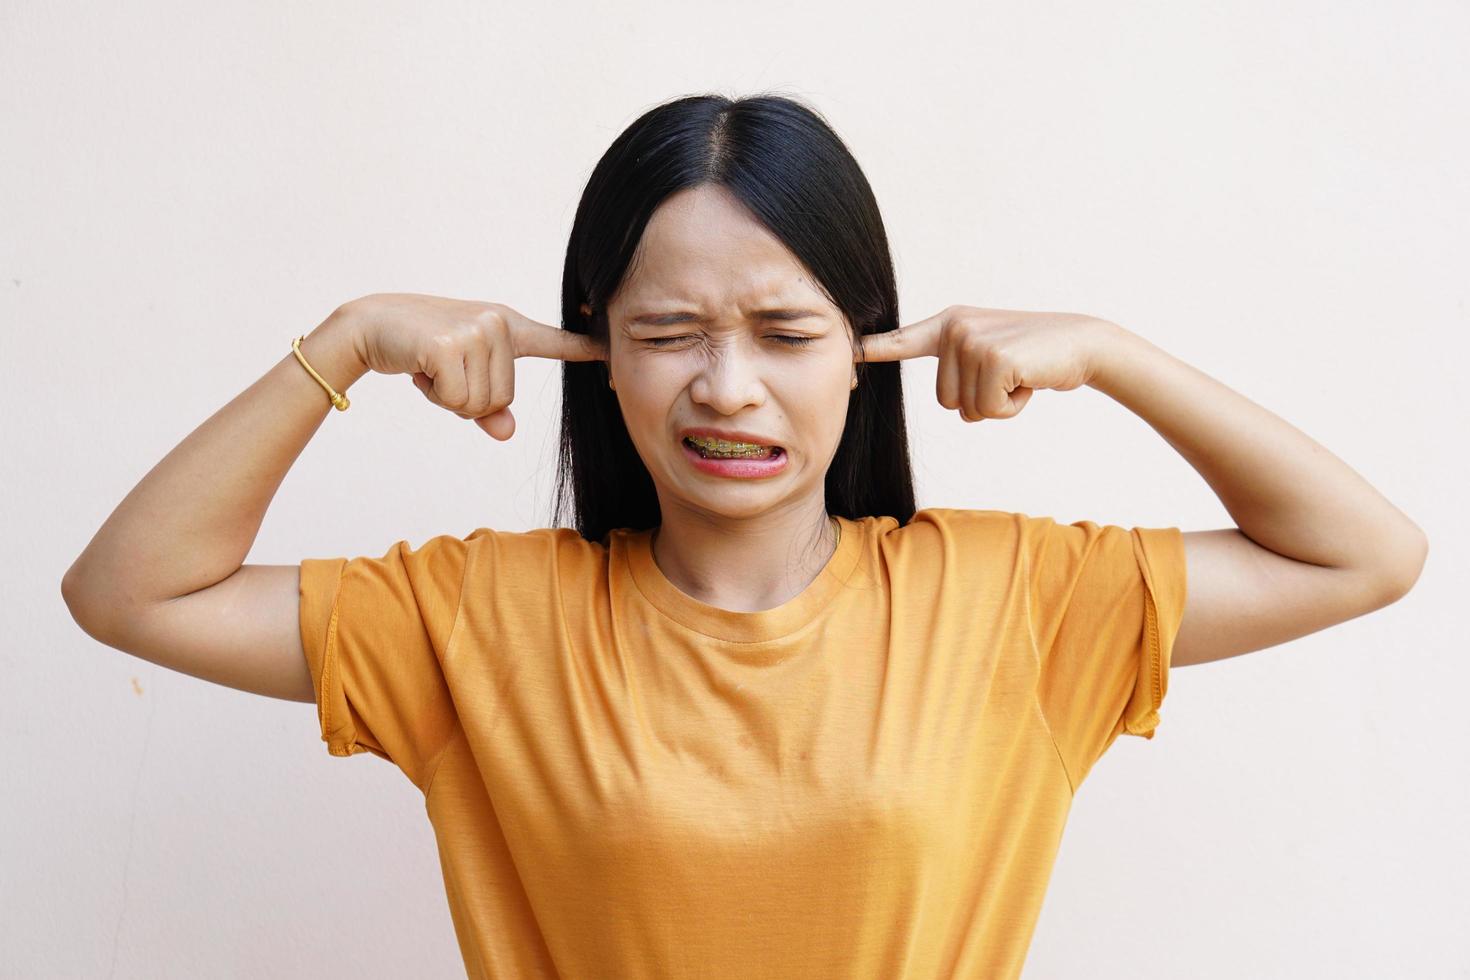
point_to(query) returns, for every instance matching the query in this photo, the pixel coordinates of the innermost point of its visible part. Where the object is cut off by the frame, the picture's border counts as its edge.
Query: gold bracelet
(339, 402)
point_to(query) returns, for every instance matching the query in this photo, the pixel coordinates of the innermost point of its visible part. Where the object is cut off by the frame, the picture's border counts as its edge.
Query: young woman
(752, 714)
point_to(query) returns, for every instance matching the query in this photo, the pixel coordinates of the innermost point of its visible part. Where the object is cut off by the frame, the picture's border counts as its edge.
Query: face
(717, 325)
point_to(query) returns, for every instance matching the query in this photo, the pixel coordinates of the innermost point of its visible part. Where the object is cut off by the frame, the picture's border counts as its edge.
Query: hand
(461, 353)
(990, 361)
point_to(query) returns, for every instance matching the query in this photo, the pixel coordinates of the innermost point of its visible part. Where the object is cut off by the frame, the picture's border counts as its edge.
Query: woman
(754, 715)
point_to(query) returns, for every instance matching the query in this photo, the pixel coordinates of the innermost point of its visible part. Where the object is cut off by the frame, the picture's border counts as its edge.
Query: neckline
(733, 625)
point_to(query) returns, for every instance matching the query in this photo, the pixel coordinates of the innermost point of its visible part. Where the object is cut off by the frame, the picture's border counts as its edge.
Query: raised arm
(164, 580)
(1316, 544)
(187, 527)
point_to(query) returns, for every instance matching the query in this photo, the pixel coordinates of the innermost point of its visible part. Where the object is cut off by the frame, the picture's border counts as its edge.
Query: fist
(990, 361)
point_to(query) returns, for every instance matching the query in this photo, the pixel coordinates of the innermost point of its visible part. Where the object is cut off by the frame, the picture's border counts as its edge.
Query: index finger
(535, 339)
(568, 345)
(919, 339)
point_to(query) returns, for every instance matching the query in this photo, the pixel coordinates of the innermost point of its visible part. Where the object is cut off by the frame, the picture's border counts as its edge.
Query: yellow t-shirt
(870, 780)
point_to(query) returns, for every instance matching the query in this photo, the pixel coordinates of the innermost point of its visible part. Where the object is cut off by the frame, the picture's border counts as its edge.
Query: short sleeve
(375, 631)
(1105, 603)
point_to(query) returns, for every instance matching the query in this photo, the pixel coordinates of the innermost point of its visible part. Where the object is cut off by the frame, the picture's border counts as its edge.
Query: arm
(1316, 544)
(191, 521)
(163, 578)
(1286, 492)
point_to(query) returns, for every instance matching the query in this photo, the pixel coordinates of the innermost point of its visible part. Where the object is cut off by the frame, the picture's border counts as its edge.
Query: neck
(744, 565)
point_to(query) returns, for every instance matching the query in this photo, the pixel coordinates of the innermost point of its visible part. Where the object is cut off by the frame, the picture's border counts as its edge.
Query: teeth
(724, 448)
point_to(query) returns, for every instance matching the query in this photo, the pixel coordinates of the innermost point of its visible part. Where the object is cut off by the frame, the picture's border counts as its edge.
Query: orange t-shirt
(870, 780)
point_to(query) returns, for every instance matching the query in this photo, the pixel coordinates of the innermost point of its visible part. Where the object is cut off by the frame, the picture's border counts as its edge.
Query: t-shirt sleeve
(1105, 603)
(375, 631)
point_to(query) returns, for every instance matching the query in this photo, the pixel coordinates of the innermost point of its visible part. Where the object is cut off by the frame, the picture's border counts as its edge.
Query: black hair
(782, 160)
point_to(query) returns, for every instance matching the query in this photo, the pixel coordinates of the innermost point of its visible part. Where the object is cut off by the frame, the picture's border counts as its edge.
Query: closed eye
(785, 339)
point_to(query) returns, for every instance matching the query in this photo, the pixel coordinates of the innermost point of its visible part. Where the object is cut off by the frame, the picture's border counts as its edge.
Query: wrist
(1113, 349)
(335, 349)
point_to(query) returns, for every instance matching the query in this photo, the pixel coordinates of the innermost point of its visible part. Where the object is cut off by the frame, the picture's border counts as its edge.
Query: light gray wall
(1274, 193)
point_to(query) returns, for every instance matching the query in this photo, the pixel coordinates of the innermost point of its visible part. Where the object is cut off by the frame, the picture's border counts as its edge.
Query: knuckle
(995, 354)
(958, 330)
(497, 335)
(491, 317)
(972, 345)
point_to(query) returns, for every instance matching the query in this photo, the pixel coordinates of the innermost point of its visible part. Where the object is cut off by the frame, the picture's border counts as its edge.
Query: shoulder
(1030, 532)
(534, 550)
(956, 526)
(988, 538)
(443, 553)
(956, 546)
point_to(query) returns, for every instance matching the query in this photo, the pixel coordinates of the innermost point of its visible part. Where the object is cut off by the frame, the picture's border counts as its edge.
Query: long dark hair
(783, 161)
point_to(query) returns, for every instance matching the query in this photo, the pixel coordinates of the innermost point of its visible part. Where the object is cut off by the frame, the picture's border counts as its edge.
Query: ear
(855, 339)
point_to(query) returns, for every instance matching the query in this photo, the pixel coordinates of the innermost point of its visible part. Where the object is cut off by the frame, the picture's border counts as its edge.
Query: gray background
(1275, 193)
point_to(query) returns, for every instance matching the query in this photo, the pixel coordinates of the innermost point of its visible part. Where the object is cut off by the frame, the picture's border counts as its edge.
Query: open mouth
(721, 449)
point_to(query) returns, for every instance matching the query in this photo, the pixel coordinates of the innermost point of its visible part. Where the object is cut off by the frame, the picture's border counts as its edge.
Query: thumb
(499, 425)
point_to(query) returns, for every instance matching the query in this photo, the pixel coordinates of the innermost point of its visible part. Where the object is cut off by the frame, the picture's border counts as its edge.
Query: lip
(730, 435)
(739, 468)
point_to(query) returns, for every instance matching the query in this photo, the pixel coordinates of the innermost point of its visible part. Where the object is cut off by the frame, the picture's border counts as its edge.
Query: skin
(1314, 544)
(739, 544)
(163, 578)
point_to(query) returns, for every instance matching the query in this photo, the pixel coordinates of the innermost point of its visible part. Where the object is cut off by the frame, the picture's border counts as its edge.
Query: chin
(733, 499)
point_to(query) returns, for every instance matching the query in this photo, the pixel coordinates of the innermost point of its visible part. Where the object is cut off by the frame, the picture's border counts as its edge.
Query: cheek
(646, 401)
(815, 403)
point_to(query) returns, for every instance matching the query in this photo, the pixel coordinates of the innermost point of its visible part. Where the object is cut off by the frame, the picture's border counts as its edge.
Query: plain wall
(1275, 193)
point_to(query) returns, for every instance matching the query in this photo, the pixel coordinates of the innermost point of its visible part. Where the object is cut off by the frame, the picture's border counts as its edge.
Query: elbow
(1404, 572)
(69, 594)
(71, 589)
(83, 611)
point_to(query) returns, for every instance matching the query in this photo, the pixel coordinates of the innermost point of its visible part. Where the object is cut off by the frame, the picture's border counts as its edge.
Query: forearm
(1285, 491)
(193, 518)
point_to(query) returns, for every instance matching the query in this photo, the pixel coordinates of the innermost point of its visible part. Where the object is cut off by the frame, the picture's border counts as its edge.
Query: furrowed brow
(665, 319)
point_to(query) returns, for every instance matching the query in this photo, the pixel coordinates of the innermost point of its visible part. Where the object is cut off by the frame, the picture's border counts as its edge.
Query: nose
(729, 381)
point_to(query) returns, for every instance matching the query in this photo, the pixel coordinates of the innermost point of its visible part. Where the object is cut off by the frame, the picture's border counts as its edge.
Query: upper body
(868, 780)
(757, 739)
(753, 737)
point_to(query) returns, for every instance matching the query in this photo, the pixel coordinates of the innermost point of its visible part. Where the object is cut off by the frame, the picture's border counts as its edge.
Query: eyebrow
(665, 319)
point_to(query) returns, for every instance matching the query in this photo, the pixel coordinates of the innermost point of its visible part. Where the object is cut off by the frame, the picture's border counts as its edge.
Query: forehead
(703, 248)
